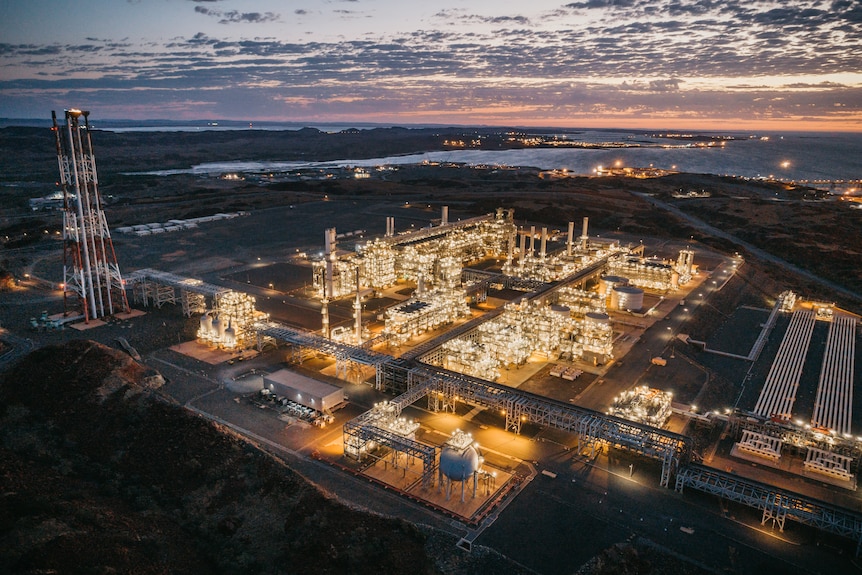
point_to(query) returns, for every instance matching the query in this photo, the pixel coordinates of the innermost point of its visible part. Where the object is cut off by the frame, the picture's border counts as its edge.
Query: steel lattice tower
(90, 269)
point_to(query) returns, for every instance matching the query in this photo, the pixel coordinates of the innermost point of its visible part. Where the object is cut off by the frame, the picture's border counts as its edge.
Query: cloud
(234, 16)
(725, 57)
(669, 85)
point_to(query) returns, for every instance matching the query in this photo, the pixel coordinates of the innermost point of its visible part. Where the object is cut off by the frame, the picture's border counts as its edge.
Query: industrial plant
(482, 315)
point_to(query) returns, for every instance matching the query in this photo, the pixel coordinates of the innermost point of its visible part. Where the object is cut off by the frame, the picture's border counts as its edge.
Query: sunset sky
(675, 64)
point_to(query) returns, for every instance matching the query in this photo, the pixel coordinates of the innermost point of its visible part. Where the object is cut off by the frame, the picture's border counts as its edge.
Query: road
(556, 524)
(766, 256)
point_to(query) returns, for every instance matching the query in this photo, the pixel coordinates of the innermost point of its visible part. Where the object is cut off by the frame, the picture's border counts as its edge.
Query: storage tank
(206, 325)
(627, 298)
(229, 335)
(459, 464)
(563, 310)
(597, 318)
(218, 327)
(608, 283)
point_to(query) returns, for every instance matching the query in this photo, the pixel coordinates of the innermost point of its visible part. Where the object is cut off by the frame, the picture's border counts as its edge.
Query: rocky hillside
(100, 474)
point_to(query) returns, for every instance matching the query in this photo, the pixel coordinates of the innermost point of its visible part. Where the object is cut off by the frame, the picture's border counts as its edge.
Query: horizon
(129, 124)
(692, 65)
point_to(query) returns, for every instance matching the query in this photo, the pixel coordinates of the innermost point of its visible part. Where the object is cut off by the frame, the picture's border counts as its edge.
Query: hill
(102, 474)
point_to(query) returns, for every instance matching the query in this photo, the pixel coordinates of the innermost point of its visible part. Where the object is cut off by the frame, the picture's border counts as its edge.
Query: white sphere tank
(627, 298)
(459, 465)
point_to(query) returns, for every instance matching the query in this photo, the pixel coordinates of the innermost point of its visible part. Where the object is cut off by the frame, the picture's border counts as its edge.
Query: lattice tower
(90, 270)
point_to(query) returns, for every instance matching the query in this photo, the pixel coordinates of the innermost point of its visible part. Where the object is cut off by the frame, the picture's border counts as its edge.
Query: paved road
(556, 524)
(705, 227)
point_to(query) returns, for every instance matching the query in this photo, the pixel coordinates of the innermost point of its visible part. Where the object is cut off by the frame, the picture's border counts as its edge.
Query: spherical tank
(458, 465)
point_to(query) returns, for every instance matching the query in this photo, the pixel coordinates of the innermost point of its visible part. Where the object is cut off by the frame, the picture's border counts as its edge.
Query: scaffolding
(423, 313)
(643, 272)
(381, 429)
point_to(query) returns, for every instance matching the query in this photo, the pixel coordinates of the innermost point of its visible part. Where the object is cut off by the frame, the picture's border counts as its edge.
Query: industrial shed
(304, 390)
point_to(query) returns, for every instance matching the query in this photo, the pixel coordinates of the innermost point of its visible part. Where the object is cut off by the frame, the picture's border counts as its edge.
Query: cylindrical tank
(459, 465)
(206, 325)
(597, 318)
(608, 283)
(560, 309)
(627, 298)
(230, 335)
(674, 280)
(217, 328)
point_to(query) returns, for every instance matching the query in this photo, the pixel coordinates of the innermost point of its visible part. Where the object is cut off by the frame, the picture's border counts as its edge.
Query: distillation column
(570, 238)
(544, 245)
(357, 311)
(584, 236)
(532, 241)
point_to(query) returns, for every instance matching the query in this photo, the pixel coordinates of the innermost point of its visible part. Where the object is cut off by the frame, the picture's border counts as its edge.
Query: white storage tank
(627, 298)
(229, 336)
(608, 283)
(459, 464)
(597, 318)
(206, 325)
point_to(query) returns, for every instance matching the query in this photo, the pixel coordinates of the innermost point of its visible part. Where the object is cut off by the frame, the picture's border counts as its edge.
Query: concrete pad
(211, 355)
(408, 480)
(83, 326)
(130, 315)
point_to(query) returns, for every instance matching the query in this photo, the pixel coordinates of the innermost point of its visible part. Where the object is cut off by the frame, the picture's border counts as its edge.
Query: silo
(218, 328)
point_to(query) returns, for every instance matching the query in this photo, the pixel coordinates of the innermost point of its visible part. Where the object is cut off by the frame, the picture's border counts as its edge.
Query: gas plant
(231, 323)
(432, 256)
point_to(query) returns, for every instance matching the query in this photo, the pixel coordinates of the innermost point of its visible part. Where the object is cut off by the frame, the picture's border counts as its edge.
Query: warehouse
(309, 392)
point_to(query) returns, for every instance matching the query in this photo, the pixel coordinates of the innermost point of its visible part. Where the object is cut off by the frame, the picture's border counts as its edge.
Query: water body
(788, 157)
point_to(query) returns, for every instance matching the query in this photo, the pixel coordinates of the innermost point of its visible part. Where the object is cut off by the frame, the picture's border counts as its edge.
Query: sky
(657, 64)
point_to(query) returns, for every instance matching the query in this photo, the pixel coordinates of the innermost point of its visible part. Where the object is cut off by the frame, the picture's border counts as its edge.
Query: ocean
(823, 159)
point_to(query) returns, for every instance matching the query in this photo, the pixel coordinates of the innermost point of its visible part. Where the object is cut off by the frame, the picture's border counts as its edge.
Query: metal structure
(158, 287)
(345, 355)
(380, 428)
(90, 269)
(594, 429)
(777, 505)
